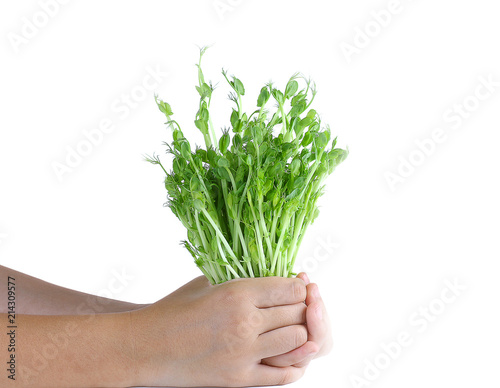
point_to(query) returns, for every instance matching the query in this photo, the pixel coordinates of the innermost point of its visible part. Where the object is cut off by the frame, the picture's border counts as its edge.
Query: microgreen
(247, 198)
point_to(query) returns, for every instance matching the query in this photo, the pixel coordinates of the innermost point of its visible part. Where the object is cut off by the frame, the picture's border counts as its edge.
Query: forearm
(71, 351)
(35, 296)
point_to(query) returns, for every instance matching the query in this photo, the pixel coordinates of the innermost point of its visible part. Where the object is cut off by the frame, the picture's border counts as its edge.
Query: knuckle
(294, 315)
(240, 322)
(232, 295)
(302, 313)
(237, 316)
(299, 291)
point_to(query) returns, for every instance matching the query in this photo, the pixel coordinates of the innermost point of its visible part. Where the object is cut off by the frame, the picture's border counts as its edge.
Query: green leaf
(163, 106)
(249, 160)
(234, 118)
(198, 204)
(291, 89)
(295, 167)
(223, 162)
(224, 142)
(334, 143)
(221, 262)
(321, 140)
(204, 114)
(315, 215)
(268, 185)
(293, 194)
(298, 109)
(306, 140)
(311, 114)
(239, 126)
(298, 98)
(314, 127)
(240, 174)
(204, 91)
(223, 173)
(202, 154)
(299, 182)
(195, 184)
(212, 157)
(177, 166)
(263, 97)
(185, 150)
(293, 204)
(278, 96)
(276, 198)
(202, 126)
(277, 169)
(305, 122)
(230, 200)
(238, 86)
(251, 148)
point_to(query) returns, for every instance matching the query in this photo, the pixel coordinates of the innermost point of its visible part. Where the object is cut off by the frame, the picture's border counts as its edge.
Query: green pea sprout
(247, 198)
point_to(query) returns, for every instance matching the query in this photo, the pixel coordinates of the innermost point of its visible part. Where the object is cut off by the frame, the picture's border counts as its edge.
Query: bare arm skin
(35, 296)
(244, 332)
(200, 335)
(71, 351)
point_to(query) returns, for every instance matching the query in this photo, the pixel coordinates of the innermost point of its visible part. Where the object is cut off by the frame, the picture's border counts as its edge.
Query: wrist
(124, 368)
(150, 347)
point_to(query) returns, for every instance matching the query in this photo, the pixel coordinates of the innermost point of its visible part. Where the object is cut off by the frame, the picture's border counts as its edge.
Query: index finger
(276, 291)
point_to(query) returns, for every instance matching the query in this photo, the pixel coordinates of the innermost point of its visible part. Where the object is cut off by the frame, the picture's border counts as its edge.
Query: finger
(316, 325)
(276, 317)
(280, 341)
(306, 361)
(313, 294)
(304, 277)
(298, 357)
(270, 375)
(275, 291)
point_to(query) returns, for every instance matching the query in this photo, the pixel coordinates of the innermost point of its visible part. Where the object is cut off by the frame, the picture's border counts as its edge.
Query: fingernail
(316, 292)
(306, 278)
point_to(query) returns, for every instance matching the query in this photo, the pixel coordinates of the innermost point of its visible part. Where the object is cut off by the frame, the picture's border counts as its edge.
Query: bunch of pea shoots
(247, 198)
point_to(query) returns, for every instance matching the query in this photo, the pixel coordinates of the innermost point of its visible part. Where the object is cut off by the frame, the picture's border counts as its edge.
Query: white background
(390, 250)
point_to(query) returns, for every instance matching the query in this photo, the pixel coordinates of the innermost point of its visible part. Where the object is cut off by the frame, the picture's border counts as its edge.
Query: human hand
(320, 340)
(204, 335)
